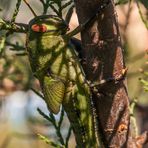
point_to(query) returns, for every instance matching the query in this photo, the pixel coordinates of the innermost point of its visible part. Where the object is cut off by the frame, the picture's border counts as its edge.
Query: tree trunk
(103, 59)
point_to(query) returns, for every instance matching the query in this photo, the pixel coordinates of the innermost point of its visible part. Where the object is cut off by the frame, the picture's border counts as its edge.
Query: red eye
(39, 28)
(43, 28)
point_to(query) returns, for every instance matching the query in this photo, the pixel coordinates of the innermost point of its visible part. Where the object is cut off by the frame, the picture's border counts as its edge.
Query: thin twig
(45, 5)
(133, 119)
(44, 115)
(16, 11)
(15, 47)
(57, 129)
(33, 12)
(2, 44)
(141, 15)
(54, 9)
(52, 119)
(36, 92)
(15, 27)
(48, 141)
(67, 4)
(61, 118)
(69, 14)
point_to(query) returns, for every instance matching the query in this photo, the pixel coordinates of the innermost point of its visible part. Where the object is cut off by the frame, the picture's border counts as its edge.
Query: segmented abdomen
(77, 105)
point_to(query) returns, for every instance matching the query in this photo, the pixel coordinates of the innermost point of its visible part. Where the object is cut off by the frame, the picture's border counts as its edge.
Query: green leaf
(2, 44)
(50, 142)
(144, 82)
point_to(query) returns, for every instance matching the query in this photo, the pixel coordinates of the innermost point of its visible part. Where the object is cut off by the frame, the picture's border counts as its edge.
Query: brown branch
(103, 56)
(139, 141)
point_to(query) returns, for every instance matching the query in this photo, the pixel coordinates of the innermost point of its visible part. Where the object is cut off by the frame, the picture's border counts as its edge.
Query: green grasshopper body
(54, 62)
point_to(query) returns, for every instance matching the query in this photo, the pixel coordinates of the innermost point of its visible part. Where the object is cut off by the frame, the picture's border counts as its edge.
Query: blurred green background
(19, 120)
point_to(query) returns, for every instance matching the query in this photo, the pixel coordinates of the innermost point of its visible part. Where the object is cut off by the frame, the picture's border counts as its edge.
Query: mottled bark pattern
(103, 58)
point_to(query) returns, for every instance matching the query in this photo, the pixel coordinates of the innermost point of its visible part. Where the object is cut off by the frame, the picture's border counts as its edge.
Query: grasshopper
(54, 62)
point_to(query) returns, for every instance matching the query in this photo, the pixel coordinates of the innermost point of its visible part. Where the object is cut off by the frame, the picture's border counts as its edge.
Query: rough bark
(103, 59)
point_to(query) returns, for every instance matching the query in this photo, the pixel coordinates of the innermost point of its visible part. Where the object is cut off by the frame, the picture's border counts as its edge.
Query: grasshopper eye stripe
(51, 19)
(39, 28)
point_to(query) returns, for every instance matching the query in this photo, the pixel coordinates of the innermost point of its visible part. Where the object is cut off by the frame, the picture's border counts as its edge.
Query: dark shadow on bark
(103, 59)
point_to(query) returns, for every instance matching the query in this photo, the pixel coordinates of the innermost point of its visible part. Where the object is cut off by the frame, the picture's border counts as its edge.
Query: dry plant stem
(103, 56)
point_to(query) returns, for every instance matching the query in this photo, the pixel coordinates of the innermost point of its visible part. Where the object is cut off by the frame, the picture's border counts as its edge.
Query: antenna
(26, 2)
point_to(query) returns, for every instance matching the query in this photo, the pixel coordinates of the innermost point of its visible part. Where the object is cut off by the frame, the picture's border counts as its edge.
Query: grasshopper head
(48, 23)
